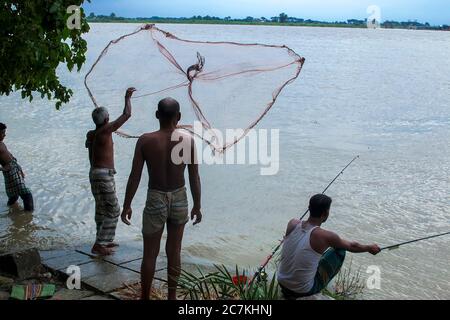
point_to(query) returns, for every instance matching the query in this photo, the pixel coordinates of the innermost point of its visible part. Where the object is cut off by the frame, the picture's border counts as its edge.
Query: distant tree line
(282, 18)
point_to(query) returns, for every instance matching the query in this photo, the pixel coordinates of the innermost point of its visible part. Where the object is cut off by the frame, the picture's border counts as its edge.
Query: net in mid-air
(222, 85)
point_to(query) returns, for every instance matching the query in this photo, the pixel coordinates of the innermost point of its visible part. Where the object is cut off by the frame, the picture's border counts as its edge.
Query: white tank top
(299, 262)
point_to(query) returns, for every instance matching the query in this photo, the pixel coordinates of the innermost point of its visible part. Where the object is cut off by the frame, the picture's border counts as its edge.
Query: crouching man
(311, 256)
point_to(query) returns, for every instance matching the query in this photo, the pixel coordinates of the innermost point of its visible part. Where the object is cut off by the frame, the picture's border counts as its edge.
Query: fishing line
(397, 246)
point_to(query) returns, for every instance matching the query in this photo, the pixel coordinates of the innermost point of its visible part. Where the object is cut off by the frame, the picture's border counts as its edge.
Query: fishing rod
(266, 262)
(396, 246)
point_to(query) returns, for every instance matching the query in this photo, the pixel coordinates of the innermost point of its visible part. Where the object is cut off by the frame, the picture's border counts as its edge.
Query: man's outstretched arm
(336, 242)
(133, 182)
(119, 122)
(195, 184)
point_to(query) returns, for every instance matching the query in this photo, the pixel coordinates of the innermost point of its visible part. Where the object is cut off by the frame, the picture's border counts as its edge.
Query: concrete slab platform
(123, 254)
(96, 268)
(113, 280)
(50, 254)
(61, 263)
(136, 265)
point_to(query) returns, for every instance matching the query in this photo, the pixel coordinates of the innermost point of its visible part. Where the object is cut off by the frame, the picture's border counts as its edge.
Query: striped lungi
(107, 209)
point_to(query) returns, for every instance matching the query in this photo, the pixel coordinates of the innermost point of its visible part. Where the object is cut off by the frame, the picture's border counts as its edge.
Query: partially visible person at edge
(14, 176)
(311, 256)
(167, 200)
(101, 175)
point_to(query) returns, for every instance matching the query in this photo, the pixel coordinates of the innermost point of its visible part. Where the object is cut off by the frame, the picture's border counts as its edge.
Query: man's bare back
(156, 148)
(101, 148)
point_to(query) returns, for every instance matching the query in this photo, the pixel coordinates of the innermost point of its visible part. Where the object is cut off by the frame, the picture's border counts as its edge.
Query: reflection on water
(361, 92)
(20, 232)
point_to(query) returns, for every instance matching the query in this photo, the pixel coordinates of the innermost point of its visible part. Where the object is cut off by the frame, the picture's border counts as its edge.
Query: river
(380, 94)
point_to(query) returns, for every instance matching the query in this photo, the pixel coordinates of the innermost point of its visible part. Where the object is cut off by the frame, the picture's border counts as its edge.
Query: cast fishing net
(220, 85)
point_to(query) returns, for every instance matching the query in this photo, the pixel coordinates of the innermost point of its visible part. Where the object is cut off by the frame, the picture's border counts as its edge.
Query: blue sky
(432, 11)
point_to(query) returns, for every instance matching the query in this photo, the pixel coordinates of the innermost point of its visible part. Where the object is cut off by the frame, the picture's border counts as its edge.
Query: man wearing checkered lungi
(101, 176)
(14, 176)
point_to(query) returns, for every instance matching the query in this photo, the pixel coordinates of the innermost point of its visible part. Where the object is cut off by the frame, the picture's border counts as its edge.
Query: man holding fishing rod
(311, 256)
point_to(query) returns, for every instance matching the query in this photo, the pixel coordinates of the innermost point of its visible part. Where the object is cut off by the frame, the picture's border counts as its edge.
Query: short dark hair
(168, 108)
(2, 126)
(319, 204)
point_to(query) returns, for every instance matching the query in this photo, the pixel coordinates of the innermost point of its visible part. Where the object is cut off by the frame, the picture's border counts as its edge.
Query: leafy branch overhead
(34, 41)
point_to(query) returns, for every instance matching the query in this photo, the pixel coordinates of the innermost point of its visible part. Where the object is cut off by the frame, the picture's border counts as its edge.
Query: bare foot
(102, 250)
(112, 245)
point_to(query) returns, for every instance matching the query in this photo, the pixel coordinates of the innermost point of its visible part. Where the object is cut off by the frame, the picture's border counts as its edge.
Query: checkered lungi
(14, 182)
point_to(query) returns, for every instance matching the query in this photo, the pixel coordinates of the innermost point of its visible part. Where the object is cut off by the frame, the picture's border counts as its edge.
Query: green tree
(283, 17)
(35, 39)
(112, 15)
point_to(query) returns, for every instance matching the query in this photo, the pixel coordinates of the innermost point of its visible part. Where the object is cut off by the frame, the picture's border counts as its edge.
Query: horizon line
(268, 18)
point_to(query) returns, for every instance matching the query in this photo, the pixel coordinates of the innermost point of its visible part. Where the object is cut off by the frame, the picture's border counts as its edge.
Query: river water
(381, 94)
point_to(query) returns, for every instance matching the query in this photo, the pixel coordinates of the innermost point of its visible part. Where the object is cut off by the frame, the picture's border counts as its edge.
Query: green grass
(348, 285)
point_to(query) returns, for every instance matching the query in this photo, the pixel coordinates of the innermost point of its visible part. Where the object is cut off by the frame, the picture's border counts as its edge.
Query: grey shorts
(162, 207)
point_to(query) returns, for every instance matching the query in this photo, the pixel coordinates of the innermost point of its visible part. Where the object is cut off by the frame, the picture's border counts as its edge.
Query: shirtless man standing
(14, 176)
(101, 176)
(166, 199)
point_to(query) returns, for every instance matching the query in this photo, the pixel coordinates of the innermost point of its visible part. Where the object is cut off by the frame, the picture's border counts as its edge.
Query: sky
(436, 12)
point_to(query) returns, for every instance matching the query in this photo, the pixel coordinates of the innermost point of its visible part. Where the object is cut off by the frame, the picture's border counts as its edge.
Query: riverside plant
(349, 284)
(222, 285)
